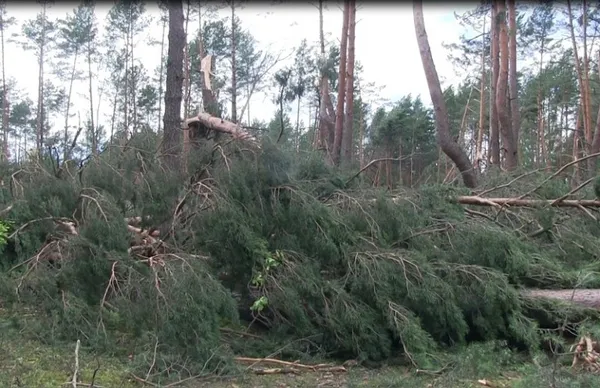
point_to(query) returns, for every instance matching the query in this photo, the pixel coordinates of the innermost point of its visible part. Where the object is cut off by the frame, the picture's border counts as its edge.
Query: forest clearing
(176, 241)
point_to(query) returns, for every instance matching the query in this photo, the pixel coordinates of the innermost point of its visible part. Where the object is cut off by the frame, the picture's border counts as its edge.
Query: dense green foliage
(325, 265)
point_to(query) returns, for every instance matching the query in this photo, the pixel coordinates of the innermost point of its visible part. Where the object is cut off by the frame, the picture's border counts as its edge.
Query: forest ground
(28, 362)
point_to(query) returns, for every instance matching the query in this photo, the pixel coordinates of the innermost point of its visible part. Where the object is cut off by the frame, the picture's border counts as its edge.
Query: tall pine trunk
(479, 144)
(40, 105)
(510, 151)
(494, 133)
(93, 133)
(347, 139)
(339, 112)
(233, 67)
(5, 152)
(173, 94)
(161, 76)
(447, 144)
(68, 107)
(514, 92)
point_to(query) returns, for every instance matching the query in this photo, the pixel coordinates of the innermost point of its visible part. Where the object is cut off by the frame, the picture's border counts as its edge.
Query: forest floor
(27, 362)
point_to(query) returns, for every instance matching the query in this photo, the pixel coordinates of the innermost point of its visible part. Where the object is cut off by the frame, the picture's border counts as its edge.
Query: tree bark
(585, 109)
(326, 121)
(40, 105)
(233, 67)
(494, 133)
(496, 202)
(447, 144)
(160, 76)
(90, 91)
(514, 93)
(502, 106)
(339, 112)
(173, 94)
(5, 152)
(68, 108)
(347, 139)
(479, 144)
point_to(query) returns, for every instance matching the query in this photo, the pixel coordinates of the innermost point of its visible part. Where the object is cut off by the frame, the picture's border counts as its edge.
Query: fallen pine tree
(318, 267)
(497, 202)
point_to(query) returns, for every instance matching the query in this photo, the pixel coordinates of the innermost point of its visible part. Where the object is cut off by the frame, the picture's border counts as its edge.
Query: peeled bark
(173, 95)
(502, 105)
(447, 144)
(339, 112)
(347, 140)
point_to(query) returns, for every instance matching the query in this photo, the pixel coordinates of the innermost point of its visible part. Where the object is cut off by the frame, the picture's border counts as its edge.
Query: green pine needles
(325, 266)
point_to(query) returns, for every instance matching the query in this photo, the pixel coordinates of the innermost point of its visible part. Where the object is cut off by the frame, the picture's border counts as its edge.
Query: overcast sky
(385, 44)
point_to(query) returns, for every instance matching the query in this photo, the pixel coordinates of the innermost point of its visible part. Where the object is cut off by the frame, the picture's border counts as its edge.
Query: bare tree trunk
(186, 66)
(361, 152)
(596, 140)
(160, 76)
(5, 152)
(479, 144)
(582, 84)
(576, 149)
(90, 91)
(347, 139)
(447, 144)
(40, 107)
(494, 132)
(233, 66)
(68, 108)
(501, 92)
(339, 112)
(514, 93)
(133, 84)
(126, 85)
(326, 122)
(173, 94)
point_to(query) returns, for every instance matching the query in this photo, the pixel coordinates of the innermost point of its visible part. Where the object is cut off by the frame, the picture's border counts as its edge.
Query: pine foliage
(333, 268)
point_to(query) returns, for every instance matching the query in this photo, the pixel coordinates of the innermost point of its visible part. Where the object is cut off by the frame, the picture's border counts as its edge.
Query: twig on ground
(74, 381)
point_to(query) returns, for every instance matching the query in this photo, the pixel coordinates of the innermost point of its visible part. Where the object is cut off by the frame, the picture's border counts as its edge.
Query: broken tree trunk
(204, 122)
(586, 298)
(480, 201)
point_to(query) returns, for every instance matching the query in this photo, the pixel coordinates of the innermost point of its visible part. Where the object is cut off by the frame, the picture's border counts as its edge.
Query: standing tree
(173, 93)
(75, 33)
(502, 103)
(347, 143)
(39, 35)
(339, 112)
(447, 144)
(4, 23)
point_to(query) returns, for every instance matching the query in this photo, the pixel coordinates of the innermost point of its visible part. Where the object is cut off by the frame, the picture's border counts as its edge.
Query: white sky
(385, 45)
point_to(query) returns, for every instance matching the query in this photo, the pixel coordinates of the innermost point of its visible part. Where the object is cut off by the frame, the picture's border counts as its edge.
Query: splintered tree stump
(219, 125)
(586, 298)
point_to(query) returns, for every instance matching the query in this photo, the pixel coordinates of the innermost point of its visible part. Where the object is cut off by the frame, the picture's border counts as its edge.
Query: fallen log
(219, 125)
(589, 298)
(480, 201)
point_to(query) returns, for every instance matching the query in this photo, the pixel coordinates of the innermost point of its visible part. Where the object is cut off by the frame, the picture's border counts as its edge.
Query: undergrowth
(318, 265)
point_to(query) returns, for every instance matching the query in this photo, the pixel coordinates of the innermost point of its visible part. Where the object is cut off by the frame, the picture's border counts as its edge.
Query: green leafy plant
(4, 227)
